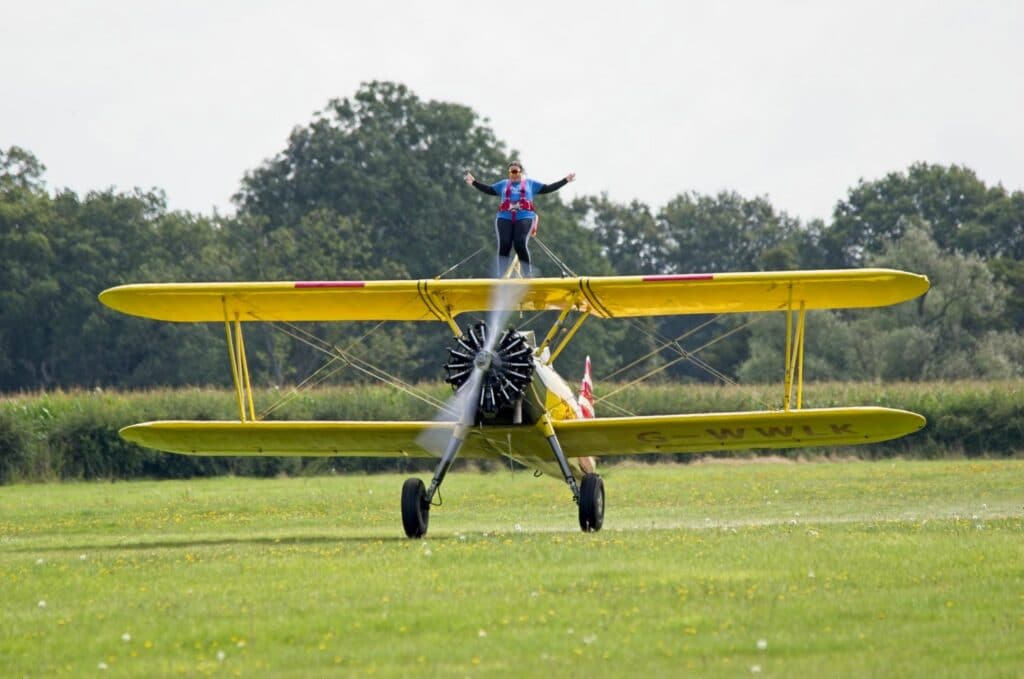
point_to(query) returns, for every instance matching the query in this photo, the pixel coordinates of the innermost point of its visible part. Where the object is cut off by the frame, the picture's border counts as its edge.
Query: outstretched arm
(554, 186)
(480, 186)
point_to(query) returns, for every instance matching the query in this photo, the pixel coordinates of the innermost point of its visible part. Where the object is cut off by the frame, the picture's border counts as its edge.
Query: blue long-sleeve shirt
(533, 188)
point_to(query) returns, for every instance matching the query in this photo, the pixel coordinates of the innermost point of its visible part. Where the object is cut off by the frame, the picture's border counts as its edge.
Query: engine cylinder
(506, 367)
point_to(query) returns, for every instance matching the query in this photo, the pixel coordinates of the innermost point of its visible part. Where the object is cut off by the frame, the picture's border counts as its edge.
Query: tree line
(370, 188)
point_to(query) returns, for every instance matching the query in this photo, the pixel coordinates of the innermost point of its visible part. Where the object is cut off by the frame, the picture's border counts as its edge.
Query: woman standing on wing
(515, 220)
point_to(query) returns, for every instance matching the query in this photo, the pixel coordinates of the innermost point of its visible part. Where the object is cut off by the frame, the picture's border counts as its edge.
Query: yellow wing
(353, 439)
(602, 436)
(424, 300)
(735, 431)
(525, 444)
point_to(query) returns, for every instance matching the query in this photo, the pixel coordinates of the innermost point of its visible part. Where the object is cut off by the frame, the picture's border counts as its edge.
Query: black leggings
(513, 234)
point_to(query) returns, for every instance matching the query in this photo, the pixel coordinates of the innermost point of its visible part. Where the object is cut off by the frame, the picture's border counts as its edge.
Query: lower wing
(602, 436)
(735, 431)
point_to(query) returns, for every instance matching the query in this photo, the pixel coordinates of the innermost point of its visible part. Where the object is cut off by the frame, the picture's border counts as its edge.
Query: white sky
(793, 100)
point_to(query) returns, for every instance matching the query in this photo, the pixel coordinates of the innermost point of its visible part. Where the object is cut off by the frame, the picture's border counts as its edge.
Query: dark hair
(516, 163)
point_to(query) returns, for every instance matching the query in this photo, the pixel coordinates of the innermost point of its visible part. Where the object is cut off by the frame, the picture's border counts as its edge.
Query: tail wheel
(591, 503)
(415, 508)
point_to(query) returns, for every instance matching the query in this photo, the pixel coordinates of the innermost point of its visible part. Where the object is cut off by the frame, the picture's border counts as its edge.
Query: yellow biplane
(509, 402)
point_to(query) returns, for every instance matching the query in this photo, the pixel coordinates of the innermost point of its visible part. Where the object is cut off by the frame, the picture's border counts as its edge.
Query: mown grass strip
(849, 569)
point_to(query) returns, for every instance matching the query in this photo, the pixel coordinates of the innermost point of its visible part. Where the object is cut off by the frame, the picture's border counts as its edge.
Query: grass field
(815, 569)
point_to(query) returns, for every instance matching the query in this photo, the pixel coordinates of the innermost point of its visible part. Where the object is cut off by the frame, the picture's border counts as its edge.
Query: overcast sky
(645, 100)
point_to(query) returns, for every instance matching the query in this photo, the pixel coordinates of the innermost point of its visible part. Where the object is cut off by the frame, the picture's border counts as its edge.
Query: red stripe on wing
(679, 277)
(330, 284)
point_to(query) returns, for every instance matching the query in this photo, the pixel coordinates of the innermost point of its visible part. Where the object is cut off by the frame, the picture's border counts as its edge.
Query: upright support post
(234, 363)
(245, 368)
(794, 354)
(787, 381)
(800, 359)
(568, 336)
(555, 328)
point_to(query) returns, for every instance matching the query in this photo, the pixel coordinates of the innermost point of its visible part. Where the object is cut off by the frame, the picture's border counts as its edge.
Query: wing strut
(458, 437)
(239, 366)
(794, 354)
(568, 336)
(559, 326)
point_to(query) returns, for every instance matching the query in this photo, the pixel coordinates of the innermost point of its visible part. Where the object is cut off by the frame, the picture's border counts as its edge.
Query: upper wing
(605, 296)
(601, 436)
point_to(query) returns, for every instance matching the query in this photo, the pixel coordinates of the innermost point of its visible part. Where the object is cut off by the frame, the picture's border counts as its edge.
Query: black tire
(415, 508)
(591, 503)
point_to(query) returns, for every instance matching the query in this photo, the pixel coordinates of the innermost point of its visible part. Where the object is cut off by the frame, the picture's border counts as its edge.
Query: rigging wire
(684, 355)
(558, 262)
(309, 382)
(456, 266)
(665, 343)
(350, 360)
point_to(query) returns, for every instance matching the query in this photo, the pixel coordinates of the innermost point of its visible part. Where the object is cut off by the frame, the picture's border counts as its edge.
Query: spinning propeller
(489, 366)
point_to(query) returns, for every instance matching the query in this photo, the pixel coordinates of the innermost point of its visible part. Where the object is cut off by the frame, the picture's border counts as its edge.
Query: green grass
(822, 569)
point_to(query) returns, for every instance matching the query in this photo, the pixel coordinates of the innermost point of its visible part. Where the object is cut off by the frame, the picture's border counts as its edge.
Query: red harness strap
(521, 204)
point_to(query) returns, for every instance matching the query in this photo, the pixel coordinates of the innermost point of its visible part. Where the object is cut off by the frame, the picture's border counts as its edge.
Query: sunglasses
(514, 170)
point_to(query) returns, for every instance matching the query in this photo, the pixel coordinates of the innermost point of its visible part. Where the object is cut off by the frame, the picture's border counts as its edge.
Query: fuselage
(553, 394)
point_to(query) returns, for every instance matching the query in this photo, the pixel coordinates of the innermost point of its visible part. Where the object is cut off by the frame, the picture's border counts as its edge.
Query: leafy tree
(58, 252)
(628, 235)
(161, 247)
(19, 169)
(963, 212)
(726, 233)
(392, 163)
(1010, 272)
(964, 303)
(27, 283)
(938, 336)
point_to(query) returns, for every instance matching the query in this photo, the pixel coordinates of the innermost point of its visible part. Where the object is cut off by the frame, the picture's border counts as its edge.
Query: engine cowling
(507, 368)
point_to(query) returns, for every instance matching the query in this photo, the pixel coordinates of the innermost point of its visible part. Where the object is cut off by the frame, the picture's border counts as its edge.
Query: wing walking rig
(509, 401)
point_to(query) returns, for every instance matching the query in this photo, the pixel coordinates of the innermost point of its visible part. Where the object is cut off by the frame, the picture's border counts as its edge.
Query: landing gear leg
(589, 496)
(556, 448)
(416, 499)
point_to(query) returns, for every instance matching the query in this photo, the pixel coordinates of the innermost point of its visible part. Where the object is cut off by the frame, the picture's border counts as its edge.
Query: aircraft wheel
(591, 503)
(415, 508)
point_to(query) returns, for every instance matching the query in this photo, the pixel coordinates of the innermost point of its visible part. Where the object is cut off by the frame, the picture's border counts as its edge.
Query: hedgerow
(73, 435)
